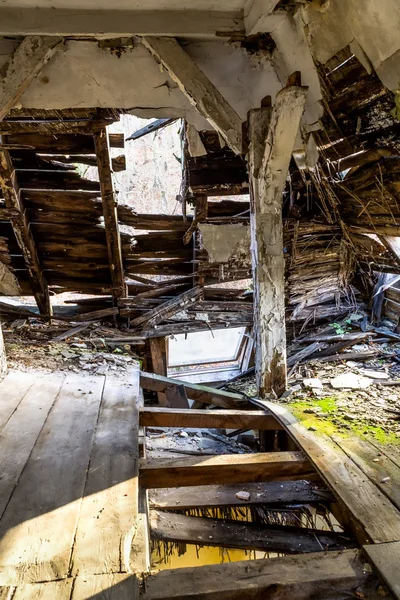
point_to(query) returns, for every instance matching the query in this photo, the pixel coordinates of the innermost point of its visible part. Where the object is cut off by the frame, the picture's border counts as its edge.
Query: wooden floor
(68, 485)
(71, 510)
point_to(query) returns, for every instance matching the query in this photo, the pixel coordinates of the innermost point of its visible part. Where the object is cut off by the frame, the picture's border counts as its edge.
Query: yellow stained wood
(52, 590)
(106, 587)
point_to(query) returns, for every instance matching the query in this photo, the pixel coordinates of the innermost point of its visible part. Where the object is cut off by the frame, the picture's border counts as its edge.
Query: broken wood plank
(385, 558)
(226, 469)
(198, 393)
(348, 356)
(159, 359)
(109, 202)
(301, 577)
(28, 60)
(271, 494)
(23, 233)
(70, 332)
(381, 470)
(272, 134)
(215, 419)
(373, 516)
(357, 335)
(304, 353)
(197, 88)
(172, 527)
(167, 309)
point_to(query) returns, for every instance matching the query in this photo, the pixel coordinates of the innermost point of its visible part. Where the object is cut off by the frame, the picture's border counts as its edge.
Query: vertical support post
(272, 134)
(119, 287)
(3, 361)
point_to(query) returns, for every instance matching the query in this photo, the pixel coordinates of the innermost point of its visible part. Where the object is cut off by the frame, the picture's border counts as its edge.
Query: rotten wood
(119, 288)
(167, 309)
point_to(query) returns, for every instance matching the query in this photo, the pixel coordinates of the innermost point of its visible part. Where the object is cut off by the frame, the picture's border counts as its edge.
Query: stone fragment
(243, 495)
(313, 383)
(374, 374)
(350, 381)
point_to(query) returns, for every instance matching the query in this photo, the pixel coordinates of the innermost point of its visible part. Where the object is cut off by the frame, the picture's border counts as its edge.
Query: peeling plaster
(226, 242)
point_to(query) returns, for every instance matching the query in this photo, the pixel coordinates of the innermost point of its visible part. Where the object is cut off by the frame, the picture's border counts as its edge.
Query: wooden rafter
(29, 59)
(197, 88)
(13, 200)
(108, 198)
(272, 133)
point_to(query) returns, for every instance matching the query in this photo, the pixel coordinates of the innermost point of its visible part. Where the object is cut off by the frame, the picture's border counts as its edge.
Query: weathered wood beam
(198, 393)
(215, 419)
(173, 527)
(198, 89)
(272, 133)
(226, 469)
(23, 233)
(109, 202)
(271, 494)
(302, 577)
(29, 59)
(121, 23)
(159, 359)
(167, 309)
(385, 560)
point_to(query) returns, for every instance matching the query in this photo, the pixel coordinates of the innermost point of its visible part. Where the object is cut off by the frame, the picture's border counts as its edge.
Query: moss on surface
(330, 422)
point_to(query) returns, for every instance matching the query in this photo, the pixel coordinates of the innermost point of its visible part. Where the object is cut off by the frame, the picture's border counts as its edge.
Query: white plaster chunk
(350, 381)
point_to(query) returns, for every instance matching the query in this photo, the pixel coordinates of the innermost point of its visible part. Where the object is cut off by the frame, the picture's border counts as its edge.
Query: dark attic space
(200, 300)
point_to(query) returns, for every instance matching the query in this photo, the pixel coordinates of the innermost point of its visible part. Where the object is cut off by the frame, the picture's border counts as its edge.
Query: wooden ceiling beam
(109, 202)
(198, 89)
(28, 60)
(23, 233)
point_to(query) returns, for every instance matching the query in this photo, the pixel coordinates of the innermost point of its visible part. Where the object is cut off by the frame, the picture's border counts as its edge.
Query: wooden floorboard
(12, 390)
(225, 469)
(320, 576)
(378, 467)
(385, 558)
(23, 428)
(373, 516)
(109, 508)
(38, 527)
(215, 419)
(271, 494)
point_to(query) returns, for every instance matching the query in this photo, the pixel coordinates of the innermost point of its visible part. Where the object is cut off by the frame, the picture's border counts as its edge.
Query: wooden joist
(273, 494)
(302, 577)
(226, 469)
(55, 143)
(198, 393)
(216, 419)
(198, 89)
(272, 134)
(167, 309)
(108, 198)
(28, 60)
(368, 512)
(173, 527)
(23, 233)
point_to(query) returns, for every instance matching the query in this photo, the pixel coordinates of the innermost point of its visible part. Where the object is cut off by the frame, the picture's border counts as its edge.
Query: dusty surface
(31, 348)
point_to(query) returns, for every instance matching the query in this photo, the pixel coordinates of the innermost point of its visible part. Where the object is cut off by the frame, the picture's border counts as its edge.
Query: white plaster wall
(374, 24)
(85, 76)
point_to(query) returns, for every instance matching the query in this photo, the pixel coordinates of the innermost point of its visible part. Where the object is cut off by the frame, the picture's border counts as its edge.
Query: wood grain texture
(300, 577)
(217, 419)
(373, 516)
(199, 393)
(21, 431)
(109, 508)
(271, 494)
(226, 469)
(52, 590)
(106, 587)
(173, 527)
(13, 389)
(38, 527)
(385, 558)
